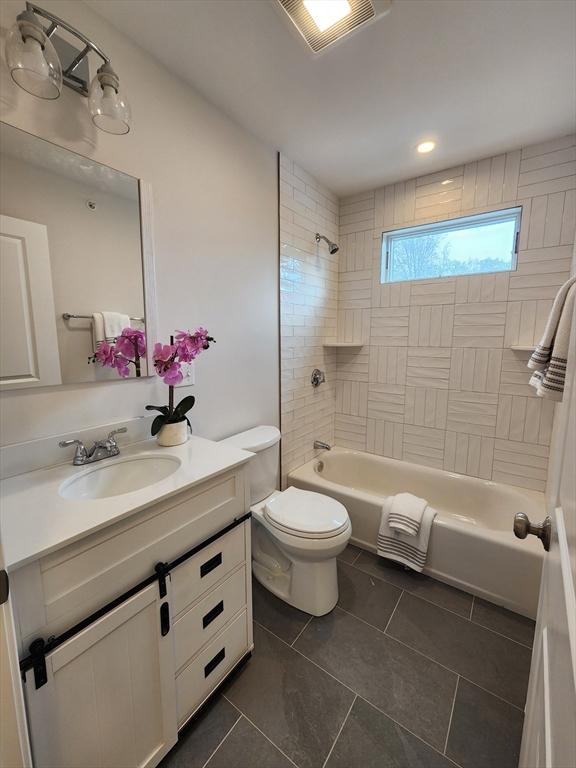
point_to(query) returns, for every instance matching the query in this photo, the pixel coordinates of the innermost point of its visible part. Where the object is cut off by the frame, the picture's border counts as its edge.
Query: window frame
(447, 225)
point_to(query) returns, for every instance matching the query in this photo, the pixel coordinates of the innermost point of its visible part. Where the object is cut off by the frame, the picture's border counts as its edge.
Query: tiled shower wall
(308, 306)
(436, 381)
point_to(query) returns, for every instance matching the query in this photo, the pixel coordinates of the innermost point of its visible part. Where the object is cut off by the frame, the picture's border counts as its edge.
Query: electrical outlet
(189, 373)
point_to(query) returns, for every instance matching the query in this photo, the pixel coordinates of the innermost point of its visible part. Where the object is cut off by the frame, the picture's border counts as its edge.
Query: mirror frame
(148, 277)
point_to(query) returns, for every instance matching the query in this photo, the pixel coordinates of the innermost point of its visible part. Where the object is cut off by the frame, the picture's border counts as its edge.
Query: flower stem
(171, 389)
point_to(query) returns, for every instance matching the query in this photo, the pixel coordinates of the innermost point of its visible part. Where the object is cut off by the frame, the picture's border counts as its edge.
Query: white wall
(215, 211)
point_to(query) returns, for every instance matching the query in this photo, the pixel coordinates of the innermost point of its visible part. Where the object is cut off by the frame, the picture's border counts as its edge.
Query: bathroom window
(470, 245)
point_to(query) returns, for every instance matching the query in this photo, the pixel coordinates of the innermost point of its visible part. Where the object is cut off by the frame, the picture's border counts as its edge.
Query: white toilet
(296, 534)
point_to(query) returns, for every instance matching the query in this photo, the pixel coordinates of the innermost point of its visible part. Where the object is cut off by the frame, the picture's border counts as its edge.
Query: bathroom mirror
(75, 265)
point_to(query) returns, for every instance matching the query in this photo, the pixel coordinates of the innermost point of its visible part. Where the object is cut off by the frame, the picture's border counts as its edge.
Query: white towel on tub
(406, 513)
(401, 547)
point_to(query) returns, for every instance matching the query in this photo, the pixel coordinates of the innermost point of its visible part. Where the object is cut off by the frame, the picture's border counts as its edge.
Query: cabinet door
(110, 697)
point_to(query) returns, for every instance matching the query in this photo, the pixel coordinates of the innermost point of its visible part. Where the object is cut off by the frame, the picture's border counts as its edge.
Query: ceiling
(477, 76)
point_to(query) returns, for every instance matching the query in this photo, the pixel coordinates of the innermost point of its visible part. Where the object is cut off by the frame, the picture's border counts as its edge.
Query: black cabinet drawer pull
(209, 565)
(212, 614)
(211, 666)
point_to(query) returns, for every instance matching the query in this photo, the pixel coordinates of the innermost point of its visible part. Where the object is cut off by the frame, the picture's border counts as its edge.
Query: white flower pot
(173, 434)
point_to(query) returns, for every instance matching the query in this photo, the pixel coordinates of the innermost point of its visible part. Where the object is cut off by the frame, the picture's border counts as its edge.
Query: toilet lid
(305, 513)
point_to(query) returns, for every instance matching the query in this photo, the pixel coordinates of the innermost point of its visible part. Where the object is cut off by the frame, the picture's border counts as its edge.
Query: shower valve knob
(523, 526)
(317, 377)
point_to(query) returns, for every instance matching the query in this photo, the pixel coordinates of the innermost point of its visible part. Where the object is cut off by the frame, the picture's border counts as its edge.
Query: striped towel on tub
(408, 549)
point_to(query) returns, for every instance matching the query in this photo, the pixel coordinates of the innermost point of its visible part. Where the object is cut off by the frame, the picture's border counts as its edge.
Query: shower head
(332, 247)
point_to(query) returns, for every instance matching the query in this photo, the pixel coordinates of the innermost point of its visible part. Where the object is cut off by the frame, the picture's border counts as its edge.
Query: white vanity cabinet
(136, 656)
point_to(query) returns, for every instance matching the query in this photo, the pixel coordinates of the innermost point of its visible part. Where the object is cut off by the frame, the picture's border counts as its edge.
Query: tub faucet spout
(319, 445)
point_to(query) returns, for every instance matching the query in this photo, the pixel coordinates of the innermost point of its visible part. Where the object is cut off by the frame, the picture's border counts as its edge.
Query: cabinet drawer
(202, 571)
(201, 622)
(203, 674)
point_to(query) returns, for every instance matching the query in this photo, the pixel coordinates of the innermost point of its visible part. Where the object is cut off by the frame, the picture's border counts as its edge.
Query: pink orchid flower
(105, 354)
(131, 342)
(165, 363)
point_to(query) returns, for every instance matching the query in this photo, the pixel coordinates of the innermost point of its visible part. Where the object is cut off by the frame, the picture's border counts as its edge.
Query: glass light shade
(33, 61)
(109, 107)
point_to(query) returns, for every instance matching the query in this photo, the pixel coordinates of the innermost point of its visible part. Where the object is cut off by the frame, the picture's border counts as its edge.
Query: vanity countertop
(35, 520)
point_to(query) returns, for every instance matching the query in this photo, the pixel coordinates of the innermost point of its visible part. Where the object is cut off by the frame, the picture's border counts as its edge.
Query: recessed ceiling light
(426, 146)
(327, 12)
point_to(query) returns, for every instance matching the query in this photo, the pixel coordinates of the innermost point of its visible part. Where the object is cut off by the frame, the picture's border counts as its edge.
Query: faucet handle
(80, 454)
(119, 431)
(66, 443)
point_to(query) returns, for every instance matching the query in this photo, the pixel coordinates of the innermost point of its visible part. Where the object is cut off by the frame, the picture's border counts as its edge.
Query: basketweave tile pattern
(443, 386)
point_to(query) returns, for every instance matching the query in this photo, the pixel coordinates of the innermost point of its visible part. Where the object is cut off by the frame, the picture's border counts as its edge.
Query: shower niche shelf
(343, 344)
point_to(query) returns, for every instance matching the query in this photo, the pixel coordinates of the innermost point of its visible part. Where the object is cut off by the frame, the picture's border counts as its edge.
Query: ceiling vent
(314, 19)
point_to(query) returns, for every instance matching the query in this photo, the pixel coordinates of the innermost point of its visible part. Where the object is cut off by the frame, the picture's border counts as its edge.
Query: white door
(549, 738)
(28, 342)
(14, 747)
(110, 699)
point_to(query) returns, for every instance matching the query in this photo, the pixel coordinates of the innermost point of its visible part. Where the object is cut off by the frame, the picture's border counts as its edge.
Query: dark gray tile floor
(405, 673)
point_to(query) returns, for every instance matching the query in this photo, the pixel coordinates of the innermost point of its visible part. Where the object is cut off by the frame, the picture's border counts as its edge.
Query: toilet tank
(263, 468)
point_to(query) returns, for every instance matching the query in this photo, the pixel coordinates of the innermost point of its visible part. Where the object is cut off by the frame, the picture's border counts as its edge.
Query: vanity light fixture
(322, 22)
(34, 54)
(425, 147)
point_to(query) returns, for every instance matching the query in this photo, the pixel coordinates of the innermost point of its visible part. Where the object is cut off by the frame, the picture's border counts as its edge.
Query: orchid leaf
(157, 424)
(183, 407)
(162, 408)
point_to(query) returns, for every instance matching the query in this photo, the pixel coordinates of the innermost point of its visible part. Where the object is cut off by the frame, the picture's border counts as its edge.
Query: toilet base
(310, 587)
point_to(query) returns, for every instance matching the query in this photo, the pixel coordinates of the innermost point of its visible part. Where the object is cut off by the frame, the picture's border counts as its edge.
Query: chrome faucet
(319, 445)
(102, 449)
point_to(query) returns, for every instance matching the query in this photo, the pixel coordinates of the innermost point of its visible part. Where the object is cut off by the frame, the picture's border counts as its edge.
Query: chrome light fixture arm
(77, 84)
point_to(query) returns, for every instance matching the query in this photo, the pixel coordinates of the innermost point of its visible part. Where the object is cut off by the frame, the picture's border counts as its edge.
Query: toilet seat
(306, 514)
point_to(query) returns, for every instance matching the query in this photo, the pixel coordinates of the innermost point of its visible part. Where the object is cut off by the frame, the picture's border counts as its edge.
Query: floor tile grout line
(357, 556)
(390, 637)
(393, 612)
(301, 631)
(459, 615)
(225, 736)
(449, 610)
(449, 669)
(253, 724)
(355, 693)
(420, 653)
(506, 637)
(404, 589)
(405, 728)
(451, 714)
(339, 732)
(299, 652)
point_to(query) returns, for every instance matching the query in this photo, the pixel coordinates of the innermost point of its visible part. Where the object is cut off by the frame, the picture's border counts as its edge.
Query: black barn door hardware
(39, 648)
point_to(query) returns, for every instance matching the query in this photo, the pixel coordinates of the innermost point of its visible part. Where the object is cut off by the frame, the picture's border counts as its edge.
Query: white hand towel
(549, 358)
(114, 324)
(408, 550)
(406, 513)
(98, 333)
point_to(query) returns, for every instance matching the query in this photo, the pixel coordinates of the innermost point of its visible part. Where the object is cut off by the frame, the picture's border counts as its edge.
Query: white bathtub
(472, 545)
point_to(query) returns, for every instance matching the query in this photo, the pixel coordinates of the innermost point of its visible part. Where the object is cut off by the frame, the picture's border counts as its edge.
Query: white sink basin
(121, 476)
